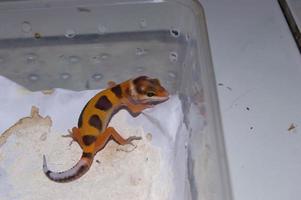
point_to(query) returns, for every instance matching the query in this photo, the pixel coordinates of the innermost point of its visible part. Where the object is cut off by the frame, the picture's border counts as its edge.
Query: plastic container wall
(81, 45)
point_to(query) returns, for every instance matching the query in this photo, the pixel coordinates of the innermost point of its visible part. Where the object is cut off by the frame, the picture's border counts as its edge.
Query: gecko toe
(132, 138)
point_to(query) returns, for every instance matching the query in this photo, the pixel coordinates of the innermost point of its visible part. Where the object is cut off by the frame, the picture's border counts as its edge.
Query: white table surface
(259, 65)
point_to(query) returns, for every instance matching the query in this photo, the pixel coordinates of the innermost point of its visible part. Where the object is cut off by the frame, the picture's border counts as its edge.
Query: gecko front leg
(111, 133)
(137, 109)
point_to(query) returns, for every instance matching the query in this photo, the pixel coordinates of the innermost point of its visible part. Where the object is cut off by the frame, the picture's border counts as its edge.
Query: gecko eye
(150, 94)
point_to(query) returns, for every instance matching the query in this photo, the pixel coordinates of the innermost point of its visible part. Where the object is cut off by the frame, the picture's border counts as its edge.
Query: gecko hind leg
(75, 135)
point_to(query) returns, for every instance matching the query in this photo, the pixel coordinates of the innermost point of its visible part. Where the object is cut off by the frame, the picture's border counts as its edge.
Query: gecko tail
(79, 169)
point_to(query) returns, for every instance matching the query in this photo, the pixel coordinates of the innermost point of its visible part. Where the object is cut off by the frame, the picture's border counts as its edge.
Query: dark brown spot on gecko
(154, 81)
(143, 89)
(140, 78)
(95, 121)
(88, 139)
(117, 91)
(87, 155)
(103, 103)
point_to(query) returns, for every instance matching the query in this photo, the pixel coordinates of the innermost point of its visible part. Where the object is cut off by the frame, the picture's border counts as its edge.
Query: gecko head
(148, 91)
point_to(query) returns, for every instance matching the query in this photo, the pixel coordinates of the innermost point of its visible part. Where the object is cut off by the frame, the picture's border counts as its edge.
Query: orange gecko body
(93, 133)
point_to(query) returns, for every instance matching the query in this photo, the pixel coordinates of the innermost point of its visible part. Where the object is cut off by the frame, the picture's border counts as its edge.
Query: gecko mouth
(158, 100)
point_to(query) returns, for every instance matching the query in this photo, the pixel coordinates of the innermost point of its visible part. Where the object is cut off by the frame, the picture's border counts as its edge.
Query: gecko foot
(69, 135)
(126, 150)
(75, 135)
(132, 138)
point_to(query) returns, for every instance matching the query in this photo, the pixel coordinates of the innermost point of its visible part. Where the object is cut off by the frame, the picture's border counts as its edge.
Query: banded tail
(79, 169)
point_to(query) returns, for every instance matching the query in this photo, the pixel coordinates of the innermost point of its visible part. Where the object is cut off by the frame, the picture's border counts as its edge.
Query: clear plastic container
(81, 45)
